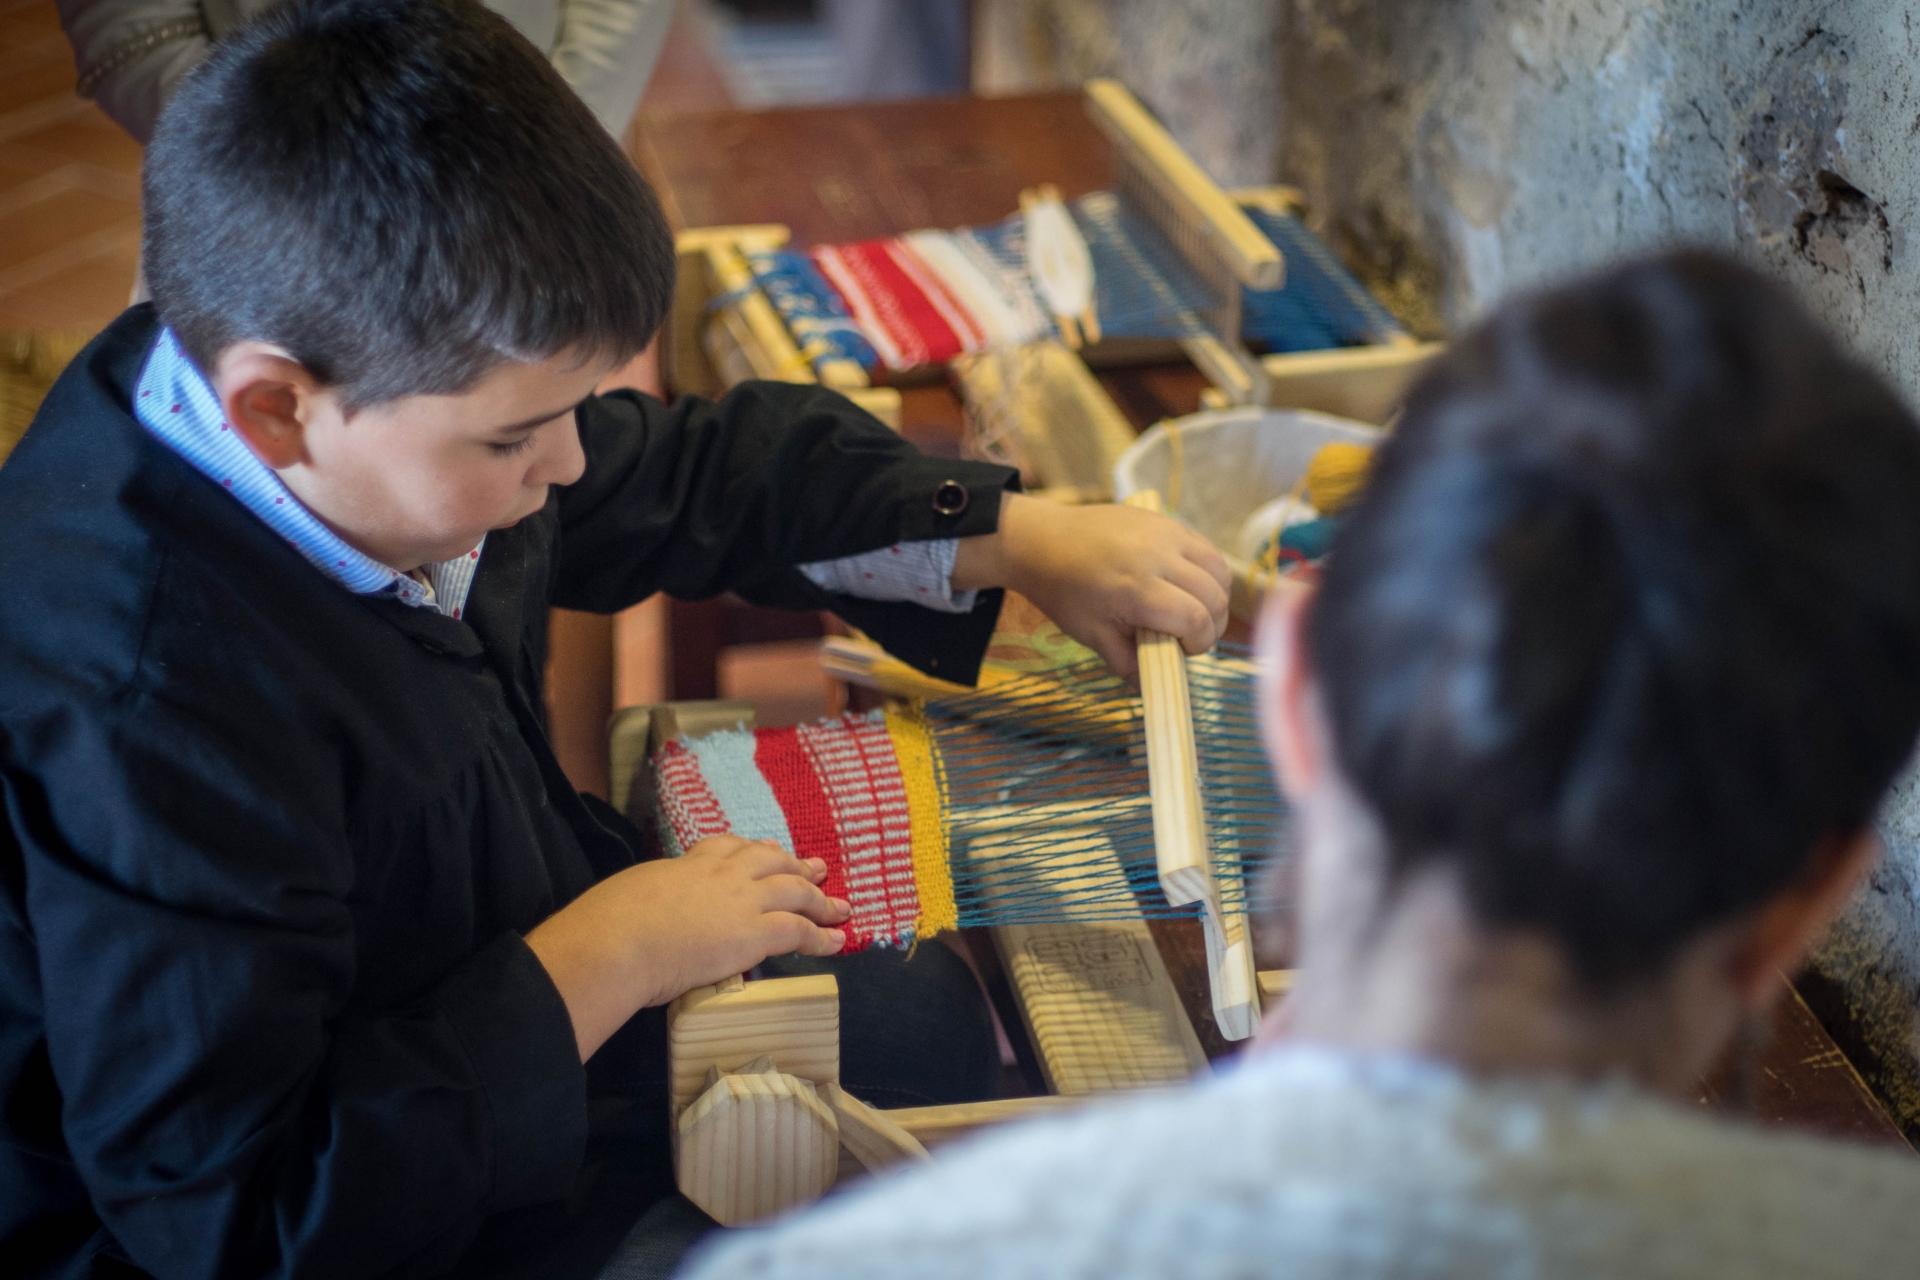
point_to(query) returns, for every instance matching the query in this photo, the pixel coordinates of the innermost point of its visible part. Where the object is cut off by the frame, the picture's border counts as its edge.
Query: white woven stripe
(938, 296)
(897, 341)
(854, 759)
(688, 810)
(973, 279)
(727, 763)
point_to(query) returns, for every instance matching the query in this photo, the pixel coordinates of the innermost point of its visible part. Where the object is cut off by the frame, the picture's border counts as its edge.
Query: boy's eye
(518, 446)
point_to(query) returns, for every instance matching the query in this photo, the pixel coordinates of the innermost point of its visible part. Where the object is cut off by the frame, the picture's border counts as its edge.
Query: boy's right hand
(645, 935)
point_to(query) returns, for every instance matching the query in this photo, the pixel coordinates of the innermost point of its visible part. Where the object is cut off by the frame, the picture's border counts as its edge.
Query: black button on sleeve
(951, 498)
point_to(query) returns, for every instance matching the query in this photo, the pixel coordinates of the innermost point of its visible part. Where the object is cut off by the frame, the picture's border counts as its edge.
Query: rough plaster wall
(1207, 68)
(1458, 149)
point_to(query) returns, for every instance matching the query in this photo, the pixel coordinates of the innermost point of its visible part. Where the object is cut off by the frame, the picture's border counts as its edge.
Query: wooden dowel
(1180, 824)
(1173, 769)
(935, 1125)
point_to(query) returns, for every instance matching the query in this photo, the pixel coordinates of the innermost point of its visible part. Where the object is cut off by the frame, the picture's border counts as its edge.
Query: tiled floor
(69, 185)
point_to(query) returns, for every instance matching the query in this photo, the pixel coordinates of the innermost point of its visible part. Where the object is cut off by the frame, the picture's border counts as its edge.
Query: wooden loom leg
(874, 1140)
(745, 1061)
(1179, 823)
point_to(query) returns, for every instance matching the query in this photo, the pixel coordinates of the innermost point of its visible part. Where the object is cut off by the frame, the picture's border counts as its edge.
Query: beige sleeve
(606, 50)
(130, 53)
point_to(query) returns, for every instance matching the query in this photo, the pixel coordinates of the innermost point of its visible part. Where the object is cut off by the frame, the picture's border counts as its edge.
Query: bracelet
(136, 45)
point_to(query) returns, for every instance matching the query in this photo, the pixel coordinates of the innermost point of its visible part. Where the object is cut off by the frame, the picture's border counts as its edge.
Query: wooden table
(835, 174)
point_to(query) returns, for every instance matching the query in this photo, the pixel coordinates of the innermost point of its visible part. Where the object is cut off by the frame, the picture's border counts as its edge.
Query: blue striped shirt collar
(174, 402)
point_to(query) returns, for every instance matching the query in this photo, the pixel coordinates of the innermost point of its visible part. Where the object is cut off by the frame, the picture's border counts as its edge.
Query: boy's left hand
(1102, 572)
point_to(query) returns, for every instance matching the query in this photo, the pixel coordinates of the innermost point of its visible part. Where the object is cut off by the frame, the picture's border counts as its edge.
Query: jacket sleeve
(229, 1108)
(731, 495)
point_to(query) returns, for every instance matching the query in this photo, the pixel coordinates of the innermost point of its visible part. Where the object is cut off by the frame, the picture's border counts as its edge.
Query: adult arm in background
(129, 54)
(606, 50)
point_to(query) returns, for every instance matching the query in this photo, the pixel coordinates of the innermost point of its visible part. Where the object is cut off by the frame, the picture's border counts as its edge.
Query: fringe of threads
(926, 789)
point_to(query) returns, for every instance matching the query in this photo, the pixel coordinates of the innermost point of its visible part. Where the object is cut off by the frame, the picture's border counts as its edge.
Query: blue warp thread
(1320, 306)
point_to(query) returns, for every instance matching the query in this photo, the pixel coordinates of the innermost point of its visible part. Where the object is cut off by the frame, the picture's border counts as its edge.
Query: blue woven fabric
(1320, 306)
(812, 308)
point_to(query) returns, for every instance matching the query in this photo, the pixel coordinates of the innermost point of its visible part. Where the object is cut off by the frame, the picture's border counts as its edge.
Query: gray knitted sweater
(1307, 1162)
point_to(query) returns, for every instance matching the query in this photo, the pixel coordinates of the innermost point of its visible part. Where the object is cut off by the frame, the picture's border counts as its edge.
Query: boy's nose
(564, 460)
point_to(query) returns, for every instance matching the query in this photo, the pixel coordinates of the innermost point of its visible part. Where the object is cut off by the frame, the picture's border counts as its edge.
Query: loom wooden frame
(789, 1027)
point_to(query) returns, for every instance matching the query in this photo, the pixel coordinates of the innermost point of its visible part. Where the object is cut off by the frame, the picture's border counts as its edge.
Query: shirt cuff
(911, 572)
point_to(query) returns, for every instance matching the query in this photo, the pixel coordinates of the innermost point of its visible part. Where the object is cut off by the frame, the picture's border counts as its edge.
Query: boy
(1584, 731)
(310, 961)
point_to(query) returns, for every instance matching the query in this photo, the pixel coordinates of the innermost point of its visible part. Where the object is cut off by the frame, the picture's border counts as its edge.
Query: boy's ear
(269, 398)
(1784, 928)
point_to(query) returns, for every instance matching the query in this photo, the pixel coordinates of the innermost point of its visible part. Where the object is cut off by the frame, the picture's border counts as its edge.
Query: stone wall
(1453, 150)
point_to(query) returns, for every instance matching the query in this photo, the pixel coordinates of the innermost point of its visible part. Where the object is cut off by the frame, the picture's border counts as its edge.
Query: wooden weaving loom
(760, 1120)
(1037, 404)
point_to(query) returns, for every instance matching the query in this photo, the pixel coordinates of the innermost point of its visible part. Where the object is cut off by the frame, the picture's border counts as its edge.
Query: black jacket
(269, 847)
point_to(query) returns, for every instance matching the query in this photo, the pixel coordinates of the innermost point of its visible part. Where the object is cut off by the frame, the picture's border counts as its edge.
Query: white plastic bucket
(1228, 464)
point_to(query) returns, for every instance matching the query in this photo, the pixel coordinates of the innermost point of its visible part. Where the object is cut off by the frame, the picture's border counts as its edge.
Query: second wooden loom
(725, 329)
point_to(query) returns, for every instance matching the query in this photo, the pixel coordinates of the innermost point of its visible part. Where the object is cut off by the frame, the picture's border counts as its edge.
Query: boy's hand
(1102, 572)
(647, 934)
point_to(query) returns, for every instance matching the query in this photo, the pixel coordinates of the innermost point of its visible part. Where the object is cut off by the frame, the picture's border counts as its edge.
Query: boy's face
(420, 479)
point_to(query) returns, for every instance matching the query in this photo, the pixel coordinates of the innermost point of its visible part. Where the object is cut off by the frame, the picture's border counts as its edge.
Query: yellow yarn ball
(1335, 476)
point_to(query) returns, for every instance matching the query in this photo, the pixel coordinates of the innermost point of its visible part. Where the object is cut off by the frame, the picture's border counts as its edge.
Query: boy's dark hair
(1628, 620)
(403, 194)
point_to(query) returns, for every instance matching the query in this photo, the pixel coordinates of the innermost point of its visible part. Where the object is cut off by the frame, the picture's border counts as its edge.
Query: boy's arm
(731, 495)
(231, 1111)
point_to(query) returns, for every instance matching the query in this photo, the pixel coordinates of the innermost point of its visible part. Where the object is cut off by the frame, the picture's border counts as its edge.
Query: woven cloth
(812, 309)
(928, 296)
(1321, 305)
(833, 790)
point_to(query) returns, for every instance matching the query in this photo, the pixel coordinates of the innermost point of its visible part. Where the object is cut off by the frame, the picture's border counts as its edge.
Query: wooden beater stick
(1180, 826)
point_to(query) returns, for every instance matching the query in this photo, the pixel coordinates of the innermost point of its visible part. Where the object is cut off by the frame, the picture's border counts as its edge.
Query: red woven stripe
(966, 330)
(782, 761)
(917, 330)
(853, 757)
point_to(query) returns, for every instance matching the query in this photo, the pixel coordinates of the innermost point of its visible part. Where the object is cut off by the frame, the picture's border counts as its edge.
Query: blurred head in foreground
(1587, 723)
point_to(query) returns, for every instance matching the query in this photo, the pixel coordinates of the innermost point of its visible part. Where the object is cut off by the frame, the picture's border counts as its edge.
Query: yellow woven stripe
(926, 793)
